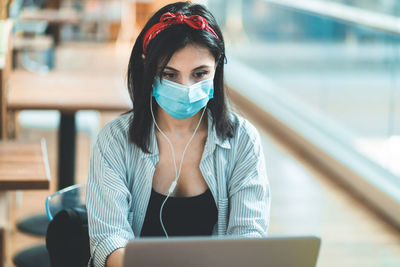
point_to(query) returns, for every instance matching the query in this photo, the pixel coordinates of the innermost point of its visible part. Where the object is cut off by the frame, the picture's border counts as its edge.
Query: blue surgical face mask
(181, 101)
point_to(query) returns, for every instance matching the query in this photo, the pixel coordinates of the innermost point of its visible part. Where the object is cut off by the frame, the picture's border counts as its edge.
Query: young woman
(179, 163)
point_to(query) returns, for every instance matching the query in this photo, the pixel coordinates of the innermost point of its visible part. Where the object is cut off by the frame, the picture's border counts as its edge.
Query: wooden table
(23, 165)
(68, 94)
(88, 77)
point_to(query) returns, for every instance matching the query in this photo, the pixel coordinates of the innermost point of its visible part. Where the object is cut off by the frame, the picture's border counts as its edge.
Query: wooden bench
(23, 166)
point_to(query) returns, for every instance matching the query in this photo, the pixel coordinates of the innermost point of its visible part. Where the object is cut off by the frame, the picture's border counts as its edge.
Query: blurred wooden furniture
(144, 10)
(134, 15)
(4, 9)
(65, 92)
(30, 36)
(36, 44)
(86, 78)
(23, 166)
(2, 246)
(54, 17)
(5, 68)
(5, 41)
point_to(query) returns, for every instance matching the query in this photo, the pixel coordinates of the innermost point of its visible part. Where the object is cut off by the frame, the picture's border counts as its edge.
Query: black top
(182, 216)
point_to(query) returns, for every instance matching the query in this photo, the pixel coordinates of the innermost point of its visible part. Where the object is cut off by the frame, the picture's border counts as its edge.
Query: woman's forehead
(190, 57)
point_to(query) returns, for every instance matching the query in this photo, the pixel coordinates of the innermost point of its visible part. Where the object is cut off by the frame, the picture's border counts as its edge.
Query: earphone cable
(177, 173)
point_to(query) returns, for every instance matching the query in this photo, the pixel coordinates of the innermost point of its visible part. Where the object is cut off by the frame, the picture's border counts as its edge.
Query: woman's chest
(183, 160)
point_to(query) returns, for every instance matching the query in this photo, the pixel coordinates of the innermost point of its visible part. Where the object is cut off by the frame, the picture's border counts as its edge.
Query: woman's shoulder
(117, 129)
(243, 128)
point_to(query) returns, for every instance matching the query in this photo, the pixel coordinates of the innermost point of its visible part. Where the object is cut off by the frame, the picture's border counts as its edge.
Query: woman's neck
(169, 124)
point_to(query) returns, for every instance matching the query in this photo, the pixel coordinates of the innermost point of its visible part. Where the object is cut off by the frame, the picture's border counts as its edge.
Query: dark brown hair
(142, 71)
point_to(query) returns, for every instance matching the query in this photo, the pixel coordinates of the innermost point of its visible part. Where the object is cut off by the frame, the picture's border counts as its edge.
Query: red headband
(168, 19)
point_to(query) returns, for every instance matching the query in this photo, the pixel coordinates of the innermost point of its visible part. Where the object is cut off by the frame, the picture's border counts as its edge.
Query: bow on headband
(168, 19)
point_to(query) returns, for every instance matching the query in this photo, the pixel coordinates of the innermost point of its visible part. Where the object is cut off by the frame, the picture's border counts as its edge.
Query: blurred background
(318, 78)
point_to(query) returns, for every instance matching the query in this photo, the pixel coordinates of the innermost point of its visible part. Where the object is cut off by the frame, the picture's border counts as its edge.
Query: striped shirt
(120, 183)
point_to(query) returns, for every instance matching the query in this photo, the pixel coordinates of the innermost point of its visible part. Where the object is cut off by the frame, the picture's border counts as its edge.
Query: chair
(67, 238)
(70, 197)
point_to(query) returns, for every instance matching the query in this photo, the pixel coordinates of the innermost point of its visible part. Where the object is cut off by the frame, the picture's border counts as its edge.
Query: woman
(179, 163)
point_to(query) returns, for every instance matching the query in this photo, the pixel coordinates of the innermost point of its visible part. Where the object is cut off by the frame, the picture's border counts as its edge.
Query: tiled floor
(306, 202)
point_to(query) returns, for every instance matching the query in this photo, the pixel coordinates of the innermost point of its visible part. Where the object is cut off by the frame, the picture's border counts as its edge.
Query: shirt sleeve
(108, 199)
(248, 189)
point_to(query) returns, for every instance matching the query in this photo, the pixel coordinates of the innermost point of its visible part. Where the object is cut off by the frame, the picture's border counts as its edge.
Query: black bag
(67, 238)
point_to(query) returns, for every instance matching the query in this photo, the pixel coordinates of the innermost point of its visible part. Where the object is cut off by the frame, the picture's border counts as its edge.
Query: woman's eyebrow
(197, 68)
(202, 67)
(171, 68)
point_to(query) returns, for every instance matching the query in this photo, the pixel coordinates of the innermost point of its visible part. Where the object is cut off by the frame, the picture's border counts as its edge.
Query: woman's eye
(168, 75)
(200, 74)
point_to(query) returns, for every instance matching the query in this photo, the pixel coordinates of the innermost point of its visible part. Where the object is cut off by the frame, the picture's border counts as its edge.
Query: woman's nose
(186, 82)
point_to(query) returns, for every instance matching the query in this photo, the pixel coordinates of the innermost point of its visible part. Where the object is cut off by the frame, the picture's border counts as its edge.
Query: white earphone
(177, 173)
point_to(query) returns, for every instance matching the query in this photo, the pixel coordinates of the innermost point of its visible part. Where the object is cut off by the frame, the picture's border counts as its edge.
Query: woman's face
(190, 65)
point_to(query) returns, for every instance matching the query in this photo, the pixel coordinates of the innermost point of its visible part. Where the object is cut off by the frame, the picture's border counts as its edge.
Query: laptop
(225, 251)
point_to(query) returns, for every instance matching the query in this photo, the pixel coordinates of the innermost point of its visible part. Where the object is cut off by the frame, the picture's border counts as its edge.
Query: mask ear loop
(177, 173)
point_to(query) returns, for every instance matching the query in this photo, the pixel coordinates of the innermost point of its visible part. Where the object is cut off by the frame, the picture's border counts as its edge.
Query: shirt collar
(212, 140)
(153, 146)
